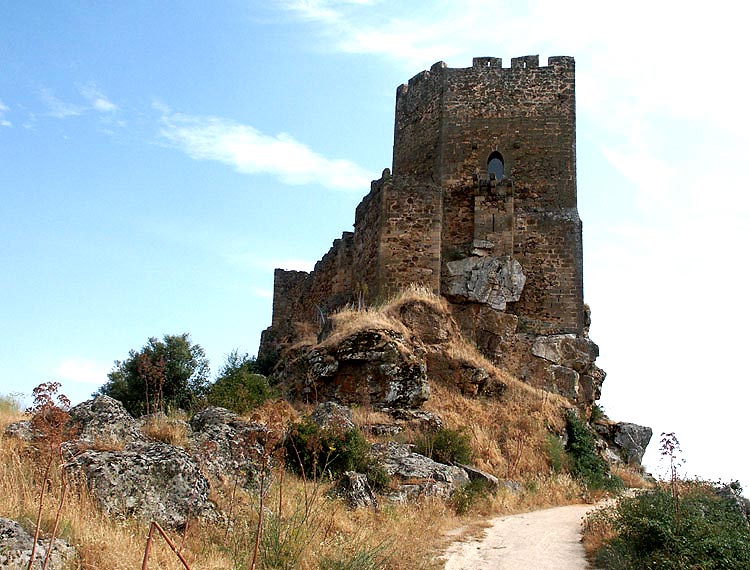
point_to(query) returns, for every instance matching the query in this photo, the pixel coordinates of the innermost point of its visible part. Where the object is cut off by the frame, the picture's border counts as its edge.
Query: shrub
(445, 446)
(710, 533)
(238, 387)
(558, 460)
(464, 498)
(584, 462)
(329, 451)
(10, 403)
(363, 558)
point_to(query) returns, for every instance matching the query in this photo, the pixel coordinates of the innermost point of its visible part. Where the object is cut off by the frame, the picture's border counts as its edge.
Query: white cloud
(97, 99)
(83, 371)
(250, 151)
(3, 121)
(58, 108)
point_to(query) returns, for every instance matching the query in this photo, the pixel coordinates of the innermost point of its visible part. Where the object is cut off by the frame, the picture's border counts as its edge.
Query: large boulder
(416, 475)
(104, 421)
(16, 545)
(226, 446)
(151, 481)
(494, 281)
(374, 367)
(567, 350)
(631, 441)
(623, 442)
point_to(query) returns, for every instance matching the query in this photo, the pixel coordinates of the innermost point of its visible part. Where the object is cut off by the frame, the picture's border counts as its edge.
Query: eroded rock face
(373, 367)
(568, 350)
(331, 414)
(105, 420)
(417, 475)
(16, 545)
(495, 281)
(355, 490)
(227, 447)
(151, 481)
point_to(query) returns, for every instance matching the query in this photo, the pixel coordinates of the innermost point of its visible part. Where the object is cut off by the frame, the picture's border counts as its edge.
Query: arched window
(496, 165)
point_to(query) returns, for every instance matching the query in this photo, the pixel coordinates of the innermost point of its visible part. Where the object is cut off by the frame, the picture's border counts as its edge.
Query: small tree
(165, 373)
(238, 387)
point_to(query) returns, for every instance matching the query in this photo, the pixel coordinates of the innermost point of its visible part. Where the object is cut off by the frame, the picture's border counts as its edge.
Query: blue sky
(159, 159)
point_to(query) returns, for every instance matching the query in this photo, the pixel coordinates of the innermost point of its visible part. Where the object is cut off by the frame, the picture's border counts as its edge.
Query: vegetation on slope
(302, 526)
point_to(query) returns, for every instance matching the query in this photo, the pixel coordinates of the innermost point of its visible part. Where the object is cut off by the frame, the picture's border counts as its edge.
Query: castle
(480, 207)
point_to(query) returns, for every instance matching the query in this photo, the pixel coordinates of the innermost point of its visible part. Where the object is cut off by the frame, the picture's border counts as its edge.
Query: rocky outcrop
(354, 489)
(104, 421)
(16, 545)
(494, 281)
(631, 441)
(625, 442)
(227, 447)
(490, 482)
(375, 367)
(331, 414)
(468, 378)
(150, 481)
(416, 475)
(20, 430)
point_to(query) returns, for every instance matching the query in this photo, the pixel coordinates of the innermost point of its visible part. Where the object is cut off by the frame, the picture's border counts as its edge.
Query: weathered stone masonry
(481, 208)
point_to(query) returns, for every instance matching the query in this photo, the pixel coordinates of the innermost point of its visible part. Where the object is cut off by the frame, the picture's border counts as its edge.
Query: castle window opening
(496, 166)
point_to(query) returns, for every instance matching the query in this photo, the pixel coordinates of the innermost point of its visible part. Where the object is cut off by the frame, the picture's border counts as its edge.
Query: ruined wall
(411, 234)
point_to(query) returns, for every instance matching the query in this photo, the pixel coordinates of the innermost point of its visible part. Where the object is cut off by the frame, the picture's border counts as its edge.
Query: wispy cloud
(83, 371)
(57, 107)
(250, 151)
(97, 99)
(3, 121)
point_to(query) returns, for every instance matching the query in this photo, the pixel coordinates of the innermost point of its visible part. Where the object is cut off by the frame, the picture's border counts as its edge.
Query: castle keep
(480, 207)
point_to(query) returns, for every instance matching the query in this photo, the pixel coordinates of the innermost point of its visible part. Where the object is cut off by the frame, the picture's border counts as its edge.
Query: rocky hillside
(387, 407)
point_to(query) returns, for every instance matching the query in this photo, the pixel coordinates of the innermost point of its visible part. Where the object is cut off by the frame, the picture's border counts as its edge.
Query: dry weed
(172, 429)
(632, 478)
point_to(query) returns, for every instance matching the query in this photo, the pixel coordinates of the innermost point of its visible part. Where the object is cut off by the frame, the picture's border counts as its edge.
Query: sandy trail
(540, 540)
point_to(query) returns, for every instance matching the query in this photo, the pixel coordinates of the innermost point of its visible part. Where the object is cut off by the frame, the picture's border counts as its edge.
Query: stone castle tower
(481, 208)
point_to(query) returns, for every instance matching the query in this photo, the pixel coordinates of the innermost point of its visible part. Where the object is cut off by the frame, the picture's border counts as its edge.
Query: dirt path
(540, 540)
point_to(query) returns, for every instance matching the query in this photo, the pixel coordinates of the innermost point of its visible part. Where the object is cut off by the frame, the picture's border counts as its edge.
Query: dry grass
(508, 436)
(415, 293)
(349, 321)
(598, 529)
(172, 429)
(632, 479)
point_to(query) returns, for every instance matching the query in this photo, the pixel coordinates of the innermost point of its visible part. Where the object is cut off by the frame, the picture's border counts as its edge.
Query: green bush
(238, 387)
(464, 498)
(558, 460)
(703, 532)
(445, 446)
(584, 462)
(329, 451)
